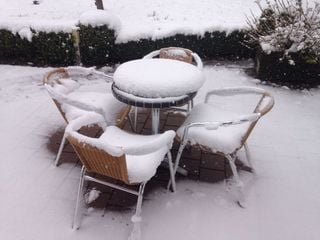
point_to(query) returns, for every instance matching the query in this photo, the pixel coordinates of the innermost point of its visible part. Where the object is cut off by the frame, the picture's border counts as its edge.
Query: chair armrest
(234, 91)
(215, 125)
(62, 98)
(198, 60)
(73, 70)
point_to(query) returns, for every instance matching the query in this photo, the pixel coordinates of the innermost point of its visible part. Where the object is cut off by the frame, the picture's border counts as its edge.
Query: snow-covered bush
(289, 27)
(41, 49)
(287, 41)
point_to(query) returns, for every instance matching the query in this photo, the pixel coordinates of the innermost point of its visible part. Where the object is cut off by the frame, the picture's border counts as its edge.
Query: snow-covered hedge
(39, 48)
(98, 45)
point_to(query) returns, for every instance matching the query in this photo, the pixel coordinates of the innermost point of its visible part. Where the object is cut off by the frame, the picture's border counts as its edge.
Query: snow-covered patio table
(156, 84)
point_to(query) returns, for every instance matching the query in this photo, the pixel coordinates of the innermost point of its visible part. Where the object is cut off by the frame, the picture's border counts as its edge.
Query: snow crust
(282, 201)
(158, 78)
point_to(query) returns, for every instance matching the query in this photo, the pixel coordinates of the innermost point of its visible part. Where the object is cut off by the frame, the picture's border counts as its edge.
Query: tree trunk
(99, 4)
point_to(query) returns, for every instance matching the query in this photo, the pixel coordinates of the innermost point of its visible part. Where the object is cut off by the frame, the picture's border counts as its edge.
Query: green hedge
(98, 47)
(299, 74)
(45, 49)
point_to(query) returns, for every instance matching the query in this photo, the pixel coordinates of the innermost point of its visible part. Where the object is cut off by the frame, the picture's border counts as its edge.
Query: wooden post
(99, 4)
(76, 44)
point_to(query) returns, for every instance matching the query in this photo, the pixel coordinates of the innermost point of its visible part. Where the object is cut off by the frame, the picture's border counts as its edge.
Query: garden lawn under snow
(37, 200)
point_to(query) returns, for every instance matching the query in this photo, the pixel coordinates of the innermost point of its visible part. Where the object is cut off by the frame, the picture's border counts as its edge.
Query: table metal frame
(154, 103)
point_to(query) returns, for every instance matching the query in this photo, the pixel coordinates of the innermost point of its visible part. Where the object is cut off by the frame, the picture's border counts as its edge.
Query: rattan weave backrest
(53, 77)
(173, 53)
(99, 161)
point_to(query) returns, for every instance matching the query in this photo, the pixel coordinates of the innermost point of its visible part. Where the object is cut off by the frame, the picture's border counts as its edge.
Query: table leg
(155, 120)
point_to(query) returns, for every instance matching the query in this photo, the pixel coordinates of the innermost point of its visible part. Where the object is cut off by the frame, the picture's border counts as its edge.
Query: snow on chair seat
(73, 104)
(130, 158)
(223, 139)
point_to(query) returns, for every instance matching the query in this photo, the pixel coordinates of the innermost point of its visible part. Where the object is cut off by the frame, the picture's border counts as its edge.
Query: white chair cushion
(105, 101)
(224, 139)
(140, 167)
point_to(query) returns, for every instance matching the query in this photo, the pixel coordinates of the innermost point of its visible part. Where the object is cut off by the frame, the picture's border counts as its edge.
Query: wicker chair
(72, 104)
(177, 53)
(221, 131)
(129, 158)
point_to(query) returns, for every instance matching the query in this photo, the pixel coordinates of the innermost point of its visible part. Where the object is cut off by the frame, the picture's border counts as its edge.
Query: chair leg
(239, 183)
(136, 218)
(133, 123)
(248, 156)
(135, 119)
(172, 174)
(139, 202)
(63, 141)
(76, 217)
(176, 164)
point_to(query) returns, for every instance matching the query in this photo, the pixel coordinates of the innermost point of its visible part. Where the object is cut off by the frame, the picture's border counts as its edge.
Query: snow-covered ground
(139, 18)
(37, 200)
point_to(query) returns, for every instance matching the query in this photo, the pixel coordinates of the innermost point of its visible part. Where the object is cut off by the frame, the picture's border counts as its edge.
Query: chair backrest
(61, 76)
(264, 105)
(98, 161)
(54, 77)
(97, 157)
(177, 53)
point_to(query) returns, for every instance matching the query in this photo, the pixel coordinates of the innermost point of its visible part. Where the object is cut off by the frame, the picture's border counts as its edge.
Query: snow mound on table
(143, 78)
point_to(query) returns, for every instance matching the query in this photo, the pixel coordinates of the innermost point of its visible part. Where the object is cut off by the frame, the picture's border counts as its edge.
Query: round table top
(158, 78)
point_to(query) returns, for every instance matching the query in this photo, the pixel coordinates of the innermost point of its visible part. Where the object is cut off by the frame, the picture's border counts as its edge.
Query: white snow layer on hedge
(139, 19)
(98, 18)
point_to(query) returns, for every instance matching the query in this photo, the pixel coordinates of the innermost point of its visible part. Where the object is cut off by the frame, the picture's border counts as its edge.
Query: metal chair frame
(253, 118)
